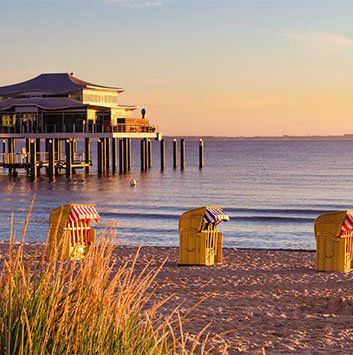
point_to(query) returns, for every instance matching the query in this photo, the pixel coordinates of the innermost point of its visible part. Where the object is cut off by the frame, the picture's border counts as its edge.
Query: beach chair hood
(337, 224)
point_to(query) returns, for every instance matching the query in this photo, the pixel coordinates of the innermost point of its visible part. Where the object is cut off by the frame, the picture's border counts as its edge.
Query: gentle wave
(129, 215)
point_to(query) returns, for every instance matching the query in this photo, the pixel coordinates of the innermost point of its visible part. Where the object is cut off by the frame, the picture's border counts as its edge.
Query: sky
(199, 67)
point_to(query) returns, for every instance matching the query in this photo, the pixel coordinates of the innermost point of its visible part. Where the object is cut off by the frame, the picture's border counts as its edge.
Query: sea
(272, 190)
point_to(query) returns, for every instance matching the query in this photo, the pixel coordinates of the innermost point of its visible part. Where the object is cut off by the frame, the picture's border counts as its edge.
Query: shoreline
(4, 242)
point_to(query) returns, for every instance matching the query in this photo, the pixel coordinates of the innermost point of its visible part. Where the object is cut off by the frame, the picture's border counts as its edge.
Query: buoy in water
(132, 182)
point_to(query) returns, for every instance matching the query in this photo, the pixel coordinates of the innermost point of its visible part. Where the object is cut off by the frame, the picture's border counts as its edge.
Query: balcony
(79, 128)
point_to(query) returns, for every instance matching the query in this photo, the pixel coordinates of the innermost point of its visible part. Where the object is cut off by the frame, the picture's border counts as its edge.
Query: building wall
(100, 98)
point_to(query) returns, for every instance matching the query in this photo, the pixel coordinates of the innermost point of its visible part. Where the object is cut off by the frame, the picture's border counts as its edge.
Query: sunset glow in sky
(199, 67)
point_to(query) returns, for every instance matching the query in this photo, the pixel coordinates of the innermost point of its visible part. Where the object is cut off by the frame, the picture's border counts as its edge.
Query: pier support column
(74, 149)
(143, 154)
(11, 145)
(60, 149)
(100, 159)
(11, 151)
(69, 154)
(201, 156)
(4, 151)
(162, 154)
(28, 151)
(107, 154)
(128, 157)
(87, 154)
(47, 145)
(146, 153)
(130, 153)
(56, 148)
(149, 153)
(182, 154)
(121, 156)
(125, 154)
(175, 153)
(114, 151)
(38, 155)
(33, 159)
(104, 155)
(38, 145)
(51, 157)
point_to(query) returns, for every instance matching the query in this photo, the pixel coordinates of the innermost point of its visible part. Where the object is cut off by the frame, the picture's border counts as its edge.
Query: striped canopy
(83, 212)
(214, 215)
(347, 224)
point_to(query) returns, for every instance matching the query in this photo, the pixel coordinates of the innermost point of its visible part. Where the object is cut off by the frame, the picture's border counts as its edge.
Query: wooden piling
(175, 153)
(162, 154)
(143, 154)
(146, 153)
(87, 154)
(201, 155)
(33, 159)
(10, 150)
(149, 153)
(38, 145)
(10, 145)
(126, 154)
(46, 145)
(100, 156)
(121, 156)
(107, 154)
(74, 149)
(51, 154)
(130, 153)
(114, 154)
(28, 150)
(69, 154)
(4, 146)
(104, 154)
(56, 148)
(60, 149)
(182, 154)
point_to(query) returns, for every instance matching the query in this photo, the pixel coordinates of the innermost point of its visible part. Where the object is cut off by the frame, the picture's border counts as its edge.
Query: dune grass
(50, 306)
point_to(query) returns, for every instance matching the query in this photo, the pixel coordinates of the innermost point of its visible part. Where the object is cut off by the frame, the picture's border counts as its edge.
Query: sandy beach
(272, 301)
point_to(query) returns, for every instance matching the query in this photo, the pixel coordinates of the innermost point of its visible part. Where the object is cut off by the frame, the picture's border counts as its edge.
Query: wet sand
(272, 301)
(260, 301)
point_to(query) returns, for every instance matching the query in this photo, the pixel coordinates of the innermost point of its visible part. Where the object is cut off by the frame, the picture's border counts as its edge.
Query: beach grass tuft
(92, 306)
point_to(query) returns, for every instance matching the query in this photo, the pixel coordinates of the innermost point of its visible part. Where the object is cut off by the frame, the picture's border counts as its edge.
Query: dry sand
(272, 301)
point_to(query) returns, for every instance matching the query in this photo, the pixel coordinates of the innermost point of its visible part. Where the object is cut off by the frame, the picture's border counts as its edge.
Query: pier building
(61, 109)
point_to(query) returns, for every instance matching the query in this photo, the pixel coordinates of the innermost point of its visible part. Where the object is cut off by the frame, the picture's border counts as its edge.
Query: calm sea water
(272, 190)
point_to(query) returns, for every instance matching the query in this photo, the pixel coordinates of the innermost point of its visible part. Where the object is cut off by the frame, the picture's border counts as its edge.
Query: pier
(48, 115)
(61, 156)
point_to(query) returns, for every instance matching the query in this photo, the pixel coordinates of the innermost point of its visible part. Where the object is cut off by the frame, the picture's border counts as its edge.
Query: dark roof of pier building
(59, 103)
(57, 83)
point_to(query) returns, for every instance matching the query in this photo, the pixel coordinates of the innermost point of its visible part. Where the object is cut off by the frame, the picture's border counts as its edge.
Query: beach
(272, 301)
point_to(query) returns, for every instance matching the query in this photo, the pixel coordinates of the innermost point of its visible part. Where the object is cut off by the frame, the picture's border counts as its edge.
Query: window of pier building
(64, 121)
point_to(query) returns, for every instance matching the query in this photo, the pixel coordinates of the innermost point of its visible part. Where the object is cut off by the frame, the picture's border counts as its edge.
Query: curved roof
(56, 83)
(59, 103)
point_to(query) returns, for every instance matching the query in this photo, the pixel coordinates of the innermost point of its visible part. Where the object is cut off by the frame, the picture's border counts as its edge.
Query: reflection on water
(273, 190)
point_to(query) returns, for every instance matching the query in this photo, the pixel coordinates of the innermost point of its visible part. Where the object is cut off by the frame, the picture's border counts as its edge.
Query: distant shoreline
(345, 137)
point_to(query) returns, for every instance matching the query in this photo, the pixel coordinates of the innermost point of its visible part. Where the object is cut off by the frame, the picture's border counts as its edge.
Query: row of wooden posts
(125, 154)
(112, 153)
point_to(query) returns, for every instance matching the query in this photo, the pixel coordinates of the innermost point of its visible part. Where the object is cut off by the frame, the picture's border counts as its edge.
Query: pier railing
(42, 157)
(80, 128)
(21, 158)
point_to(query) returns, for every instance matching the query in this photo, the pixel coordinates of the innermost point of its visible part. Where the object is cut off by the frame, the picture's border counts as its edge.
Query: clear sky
(199, 67)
